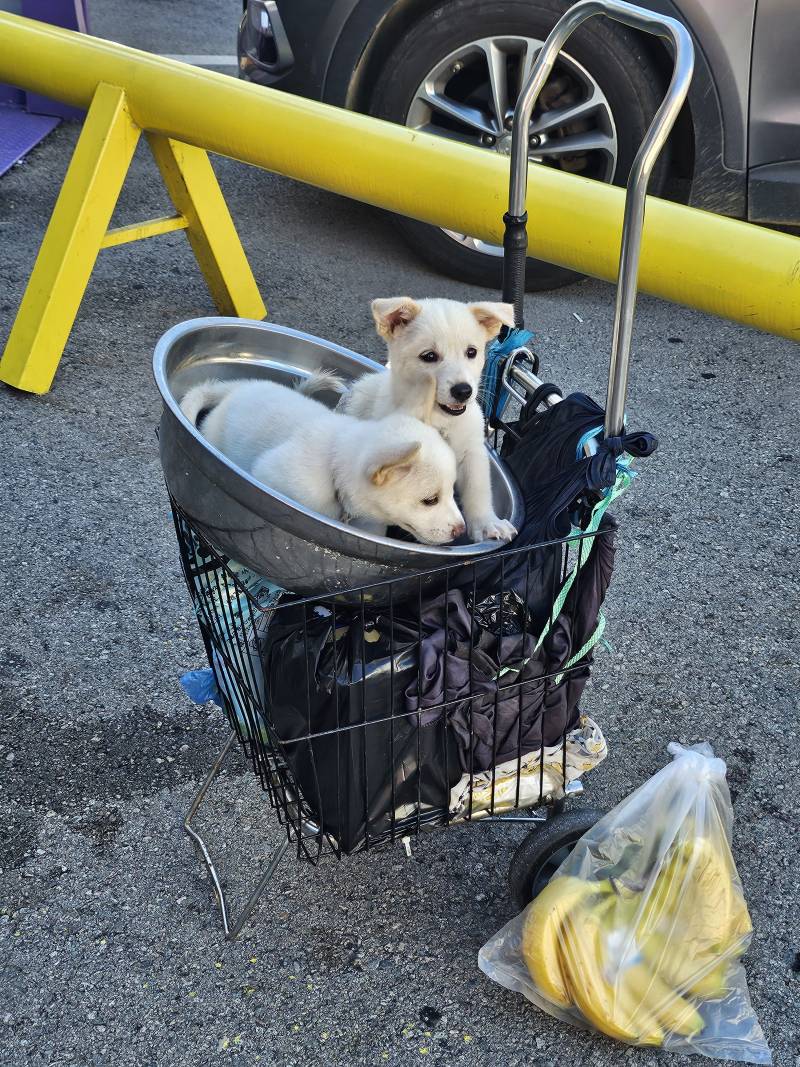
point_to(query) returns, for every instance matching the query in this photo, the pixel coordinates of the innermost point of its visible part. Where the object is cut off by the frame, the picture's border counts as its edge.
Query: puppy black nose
(461, 392)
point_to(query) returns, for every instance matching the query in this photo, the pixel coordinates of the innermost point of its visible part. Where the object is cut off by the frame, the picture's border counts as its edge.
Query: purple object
(11, 96)
(71, 14)
(20, 132)
(27, 118)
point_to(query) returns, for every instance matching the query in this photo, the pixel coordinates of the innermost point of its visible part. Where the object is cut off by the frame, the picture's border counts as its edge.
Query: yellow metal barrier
(78, 230)
(729, 268)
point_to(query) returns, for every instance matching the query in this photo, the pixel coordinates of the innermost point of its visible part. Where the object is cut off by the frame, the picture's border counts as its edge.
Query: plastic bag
(640, 933)
(233, 606)
(364, 765)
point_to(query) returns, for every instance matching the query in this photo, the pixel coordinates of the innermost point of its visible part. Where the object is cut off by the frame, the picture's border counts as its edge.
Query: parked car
(454, 68)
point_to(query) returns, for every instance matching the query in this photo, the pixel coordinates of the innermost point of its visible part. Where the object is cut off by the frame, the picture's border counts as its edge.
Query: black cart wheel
(457, 73)
(544, 850)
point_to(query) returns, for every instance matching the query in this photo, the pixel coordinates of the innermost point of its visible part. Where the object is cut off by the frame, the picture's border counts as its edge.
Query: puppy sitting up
(440, 342)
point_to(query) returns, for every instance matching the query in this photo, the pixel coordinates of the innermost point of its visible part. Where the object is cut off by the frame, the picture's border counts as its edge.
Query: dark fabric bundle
(494, 682)
(544, 462)
(559, 490)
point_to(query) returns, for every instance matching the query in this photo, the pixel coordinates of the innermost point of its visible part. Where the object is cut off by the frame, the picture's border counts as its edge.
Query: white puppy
(441, 342)
(377, 473)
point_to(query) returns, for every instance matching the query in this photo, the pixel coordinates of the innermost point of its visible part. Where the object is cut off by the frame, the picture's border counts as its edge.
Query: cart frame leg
(231, 927)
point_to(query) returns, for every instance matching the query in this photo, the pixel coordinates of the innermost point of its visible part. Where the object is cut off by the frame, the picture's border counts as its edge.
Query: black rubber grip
(515, 252)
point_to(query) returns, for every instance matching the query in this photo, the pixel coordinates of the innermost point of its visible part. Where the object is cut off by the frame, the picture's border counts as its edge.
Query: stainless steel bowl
(292, 546)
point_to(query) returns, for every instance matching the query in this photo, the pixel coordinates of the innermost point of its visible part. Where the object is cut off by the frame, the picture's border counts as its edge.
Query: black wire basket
(368, 718)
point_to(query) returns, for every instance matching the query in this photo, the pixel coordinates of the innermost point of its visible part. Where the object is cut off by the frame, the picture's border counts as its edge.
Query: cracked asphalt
(110, 942)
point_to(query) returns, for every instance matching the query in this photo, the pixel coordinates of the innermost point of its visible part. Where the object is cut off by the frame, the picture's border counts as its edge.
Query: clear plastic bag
(640, 933)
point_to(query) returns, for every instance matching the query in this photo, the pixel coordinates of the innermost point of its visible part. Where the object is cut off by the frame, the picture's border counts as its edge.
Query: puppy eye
(431, 501)
(471, 352)
(429, 357)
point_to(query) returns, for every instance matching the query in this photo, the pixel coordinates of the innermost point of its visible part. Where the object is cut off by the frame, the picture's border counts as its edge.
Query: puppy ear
(493, 316)
(393, 313)
(393, 464)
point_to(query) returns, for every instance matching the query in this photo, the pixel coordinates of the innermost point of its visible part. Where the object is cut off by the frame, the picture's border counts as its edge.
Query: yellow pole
(729, 268)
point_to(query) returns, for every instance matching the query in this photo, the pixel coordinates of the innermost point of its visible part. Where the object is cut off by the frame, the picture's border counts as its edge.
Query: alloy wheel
(469, 96)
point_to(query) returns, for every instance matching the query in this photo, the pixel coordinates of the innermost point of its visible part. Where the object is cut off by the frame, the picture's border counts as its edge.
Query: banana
(583, 963)
(697, 900)
(713, 985)
(689, 974)
(645, 991)
(630, 961)
(642, 995)
(631, 1005)
(715, 911)
(542, 932)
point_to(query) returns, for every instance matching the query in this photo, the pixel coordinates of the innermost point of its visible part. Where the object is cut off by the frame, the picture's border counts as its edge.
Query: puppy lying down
(373, 473)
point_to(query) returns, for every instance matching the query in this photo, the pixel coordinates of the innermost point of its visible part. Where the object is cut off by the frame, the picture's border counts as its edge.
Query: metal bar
(654, 140)
(137, 231)
(204, 60)
(743, 272)
(233, 928)
(533, 817)
(531, 382)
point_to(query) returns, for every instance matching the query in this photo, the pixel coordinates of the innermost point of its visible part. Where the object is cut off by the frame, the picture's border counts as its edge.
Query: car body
(737, 147)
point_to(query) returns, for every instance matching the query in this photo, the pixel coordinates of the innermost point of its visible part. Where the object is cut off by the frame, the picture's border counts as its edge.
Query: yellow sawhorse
(79, 228)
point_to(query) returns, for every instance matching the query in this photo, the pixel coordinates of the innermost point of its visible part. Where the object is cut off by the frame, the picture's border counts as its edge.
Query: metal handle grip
(636, 190)
(515, 258)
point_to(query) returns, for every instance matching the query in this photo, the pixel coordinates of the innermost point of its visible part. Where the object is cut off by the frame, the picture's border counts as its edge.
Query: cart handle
(515, 242)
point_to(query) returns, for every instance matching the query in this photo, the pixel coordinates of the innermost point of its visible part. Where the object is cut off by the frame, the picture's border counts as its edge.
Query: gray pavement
(110, 942)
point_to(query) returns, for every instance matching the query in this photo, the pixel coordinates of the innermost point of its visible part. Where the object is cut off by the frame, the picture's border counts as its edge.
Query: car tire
(614, 56)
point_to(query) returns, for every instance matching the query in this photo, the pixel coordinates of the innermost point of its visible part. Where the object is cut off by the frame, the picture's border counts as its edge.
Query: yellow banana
(713, 985)
(542, 930)
(642, 990)
(715, 911)
(583, 963)
(642, 995)
(677, 964)
(680, 937)
(630, 1004)
(697, 901)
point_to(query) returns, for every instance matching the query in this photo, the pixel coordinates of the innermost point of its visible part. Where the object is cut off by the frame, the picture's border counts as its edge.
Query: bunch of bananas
(636, 963)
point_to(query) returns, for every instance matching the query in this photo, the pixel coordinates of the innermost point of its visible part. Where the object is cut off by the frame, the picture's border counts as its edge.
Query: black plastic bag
(366, 767)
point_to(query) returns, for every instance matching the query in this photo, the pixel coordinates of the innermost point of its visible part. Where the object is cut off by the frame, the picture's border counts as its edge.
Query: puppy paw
(491, 528)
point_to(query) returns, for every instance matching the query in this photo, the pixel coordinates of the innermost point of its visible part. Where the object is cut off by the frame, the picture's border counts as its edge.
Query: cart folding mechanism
(381, 687)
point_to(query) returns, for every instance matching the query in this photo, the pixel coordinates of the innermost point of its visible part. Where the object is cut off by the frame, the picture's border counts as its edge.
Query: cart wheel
(544, 850)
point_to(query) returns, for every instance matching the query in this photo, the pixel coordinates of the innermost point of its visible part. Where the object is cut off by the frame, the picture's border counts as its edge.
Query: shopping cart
(444, 686)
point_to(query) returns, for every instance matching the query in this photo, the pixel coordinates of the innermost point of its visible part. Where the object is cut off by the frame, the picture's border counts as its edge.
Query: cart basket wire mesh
(372, 714)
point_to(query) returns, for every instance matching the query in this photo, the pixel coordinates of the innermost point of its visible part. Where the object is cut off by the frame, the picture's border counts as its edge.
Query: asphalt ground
(111, 945)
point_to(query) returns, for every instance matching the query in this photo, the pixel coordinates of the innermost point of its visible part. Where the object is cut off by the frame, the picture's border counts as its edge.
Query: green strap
(624, 479)
(586, 648)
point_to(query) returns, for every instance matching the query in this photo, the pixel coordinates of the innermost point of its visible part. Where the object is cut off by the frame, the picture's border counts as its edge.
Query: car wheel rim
(469, 96)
